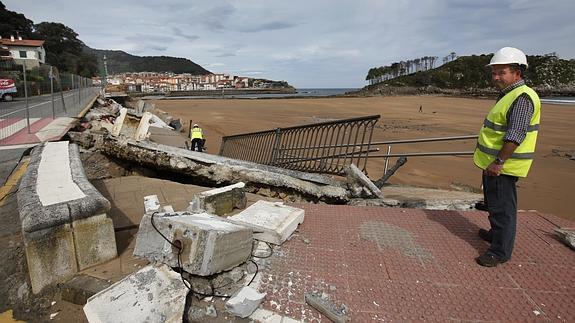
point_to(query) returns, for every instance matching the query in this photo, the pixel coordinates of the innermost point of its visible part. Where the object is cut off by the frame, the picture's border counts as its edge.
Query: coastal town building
(27, 52)
(149, 82)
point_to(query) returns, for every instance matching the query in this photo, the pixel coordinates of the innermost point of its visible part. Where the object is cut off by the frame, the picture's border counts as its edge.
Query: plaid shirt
(519, 115)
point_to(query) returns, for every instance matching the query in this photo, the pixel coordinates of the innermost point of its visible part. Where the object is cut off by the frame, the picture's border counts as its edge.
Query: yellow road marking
(13, 180)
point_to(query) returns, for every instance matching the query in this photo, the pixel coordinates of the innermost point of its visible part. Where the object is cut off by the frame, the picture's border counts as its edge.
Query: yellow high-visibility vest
(493, 132)
(196, 133)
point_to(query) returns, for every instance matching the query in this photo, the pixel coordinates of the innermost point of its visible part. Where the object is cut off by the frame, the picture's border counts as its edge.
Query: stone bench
(64, 223)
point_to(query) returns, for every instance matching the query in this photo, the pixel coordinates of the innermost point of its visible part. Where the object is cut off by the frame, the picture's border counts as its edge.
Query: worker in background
(197, 137)
(505, 150)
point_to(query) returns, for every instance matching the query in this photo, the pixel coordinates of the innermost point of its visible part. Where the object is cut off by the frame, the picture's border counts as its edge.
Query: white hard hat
(508, 55)
(195, 125)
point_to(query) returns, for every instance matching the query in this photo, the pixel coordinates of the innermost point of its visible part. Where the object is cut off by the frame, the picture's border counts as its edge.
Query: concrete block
(151, 204)
(143, 126)
(153, 294)
(272, 222)
(244, 302)
(51, 256)
(220, 201)
(119, 122)
(94, 240)
(209, 244)
(78, 289)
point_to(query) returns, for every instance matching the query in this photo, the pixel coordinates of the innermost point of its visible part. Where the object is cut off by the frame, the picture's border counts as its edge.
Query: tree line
(396, 69)
(63, 48)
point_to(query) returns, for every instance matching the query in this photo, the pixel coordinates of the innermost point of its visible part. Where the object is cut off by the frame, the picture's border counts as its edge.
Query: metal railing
(389, 144)
(325, 147)
(42, 95)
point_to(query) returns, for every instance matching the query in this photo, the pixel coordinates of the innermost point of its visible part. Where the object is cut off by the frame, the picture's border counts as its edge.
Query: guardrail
(325, 147)
(42, 93)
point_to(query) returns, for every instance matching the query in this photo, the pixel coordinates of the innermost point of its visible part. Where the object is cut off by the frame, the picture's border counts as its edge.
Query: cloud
(178, 32)
(274, 25)
(321, 43)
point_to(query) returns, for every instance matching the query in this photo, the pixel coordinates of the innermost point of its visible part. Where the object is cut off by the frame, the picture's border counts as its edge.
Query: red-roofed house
(25, 51)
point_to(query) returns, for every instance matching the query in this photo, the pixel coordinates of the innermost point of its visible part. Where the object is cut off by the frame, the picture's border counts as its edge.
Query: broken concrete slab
(356, 177)
(272, 222)
(220, 201)
(208, 244)
(325, 306)
(244, 302)
(220, 170)
(142, 130)
(422, 198)
(78, 289)
(119, 122)
(567, 236)
(153, 294)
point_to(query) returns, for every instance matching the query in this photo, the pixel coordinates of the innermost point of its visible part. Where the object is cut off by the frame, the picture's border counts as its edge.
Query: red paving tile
(25, 137)
(418, 265)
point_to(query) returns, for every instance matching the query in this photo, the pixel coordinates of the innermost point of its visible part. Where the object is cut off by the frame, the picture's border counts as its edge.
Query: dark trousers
(500, 197)
(199, 143)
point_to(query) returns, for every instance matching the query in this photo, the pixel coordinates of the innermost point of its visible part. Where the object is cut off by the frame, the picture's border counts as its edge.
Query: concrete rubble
(202, 244)
(220, 201)
(244, 302)
(153, 294)
(272, 222)
(291, 186)
(359, 184)
(221, 170)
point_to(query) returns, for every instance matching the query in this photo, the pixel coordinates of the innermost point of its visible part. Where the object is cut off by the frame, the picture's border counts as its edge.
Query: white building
(26, 52)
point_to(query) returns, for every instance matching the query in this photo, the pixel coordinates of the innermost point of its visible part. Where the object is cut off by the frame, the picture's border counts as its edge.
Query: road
(41, 106)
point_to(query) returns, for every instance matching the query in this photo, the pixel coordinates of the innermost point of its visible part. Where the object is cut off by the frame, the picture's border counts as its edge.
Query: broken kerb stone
(119, 122)
(208, 244)
(356, 176)
(244, 302)
(220, 201)
(567, 236)
(272, 222)
(153, 294)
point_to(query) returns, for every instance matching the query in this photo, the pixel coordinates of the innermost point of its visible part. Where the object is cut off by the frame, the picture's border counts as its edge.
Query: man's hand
(493, 169)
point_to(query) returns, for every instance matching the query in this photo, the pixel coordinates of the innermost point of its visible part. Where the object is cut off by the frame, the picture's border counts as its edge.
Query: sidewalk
(41, 130)
(418, 265)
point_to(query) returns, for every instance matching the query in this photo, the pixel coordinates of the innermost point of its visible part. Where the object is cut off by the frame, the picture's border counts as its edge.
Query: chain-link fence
(31, 98)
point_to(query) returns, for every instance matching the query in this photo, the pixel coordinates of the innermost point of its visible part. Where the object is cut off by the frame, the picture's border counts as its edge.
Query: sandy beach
(548, 187)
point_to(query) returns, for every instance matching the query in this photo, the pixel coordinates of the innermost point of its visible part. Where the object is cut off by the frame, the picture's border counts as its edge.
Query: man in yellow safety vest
(505, 150)
(197, 137)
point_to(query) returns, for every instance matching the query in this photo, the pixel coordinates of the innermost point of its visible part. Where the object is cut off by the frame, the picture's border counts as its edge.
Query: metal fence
(43, 94)
(325, 147)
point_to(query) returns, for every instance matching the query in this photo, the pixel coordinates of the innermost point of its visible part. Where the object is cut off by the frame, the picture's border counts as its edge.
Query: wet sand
(549, 187)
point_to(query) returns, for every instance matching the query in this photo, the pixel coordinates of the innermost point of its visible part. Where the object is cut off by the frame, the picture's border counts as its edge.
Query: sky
(311, 43)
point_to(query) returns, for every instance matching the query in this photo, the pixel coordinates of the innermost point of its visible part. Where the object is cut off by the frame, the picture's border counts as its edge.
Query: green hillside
(119, 62)
(469, 74)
